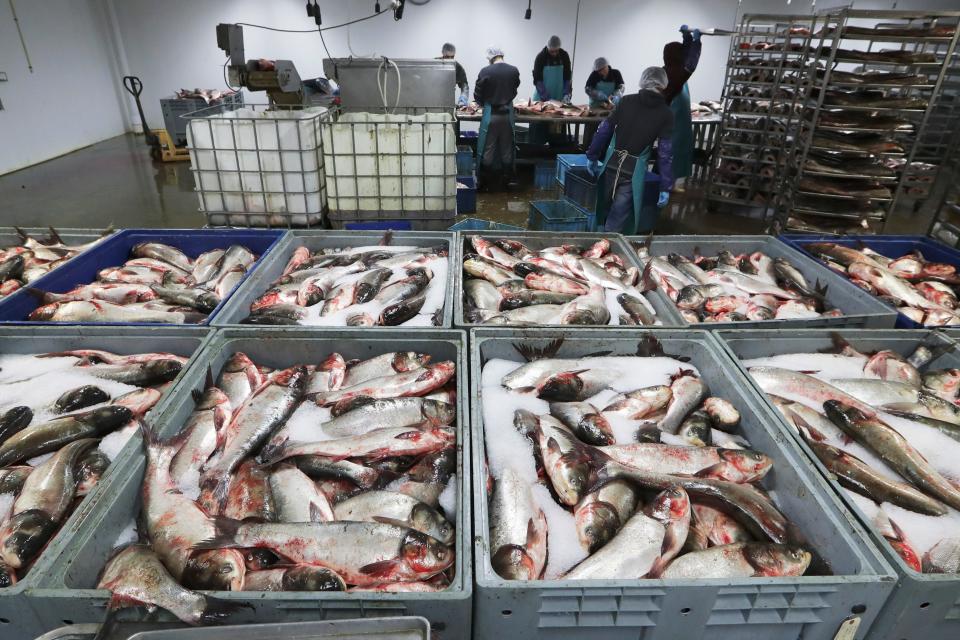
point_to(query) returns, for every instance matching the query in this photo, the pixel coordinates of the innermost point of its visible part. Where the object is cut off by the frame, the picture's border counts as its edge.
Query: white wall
(71, 99)
(172, 44)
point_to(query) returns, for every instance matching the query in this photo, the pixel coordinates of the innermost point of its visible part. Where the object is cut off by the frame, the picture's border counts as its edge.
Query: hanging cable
(576, 28)
(336, 26)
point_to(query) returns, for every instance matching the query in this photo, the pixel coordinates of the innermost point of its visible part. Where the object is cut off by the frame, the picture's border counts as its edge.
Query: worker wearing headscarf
(495, 89)
(604, 88)
(680, 61)
(449, 52)
(639, 120)
(552, 73)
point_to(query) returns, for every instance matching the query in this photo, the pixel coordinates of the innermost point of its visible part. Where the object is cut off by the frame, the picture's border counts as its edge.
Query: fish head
(864, 271)
(908, 265)
(565, 386)
(361, 320)
(292, 378)
(568, 465)
(24, 536)
(690, 297)
(599, 427)
(211, 399)
(481, 245)
(216, 570)
(722, 303)
(427, 519)
(139, 401)
(597, 523)
(311, 578)
(439, 413)
(424, 554)
(744, 465)
(938, 269)
(889, 365)
(309, 294)
(163, 370)
(580, 316)
(842, 415)
(409, 360)
(44, 312)
(8, 577)
(670, 505)
(524, 269)
(773, 560)
(863, 284)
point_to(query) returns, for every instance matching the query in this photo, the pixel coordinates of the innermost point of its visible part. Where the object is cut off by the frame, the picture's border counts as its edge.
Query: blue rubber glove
(542, 92)
(594, 168)
(696, 35)
(601, 95)
(615, 99)
(684, 28)
(567, 99)
(663, 199)
(462, 100)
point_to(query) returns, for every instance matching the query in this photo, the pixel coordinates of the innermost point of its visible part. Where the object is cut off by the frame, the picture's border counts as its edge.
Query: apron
(485, 127)
(553, 83)
(682, 135)
(641, 223)
(607, 87)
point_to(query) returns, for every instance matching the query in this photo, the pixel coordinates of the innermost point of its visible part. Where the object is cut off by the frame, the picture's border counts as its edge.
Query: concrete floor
(115, 182)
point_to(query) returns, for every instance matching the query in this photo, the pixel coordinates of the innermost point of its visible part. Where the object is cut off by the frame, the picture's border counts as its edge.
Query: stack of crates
(568, 213)
(466, 181)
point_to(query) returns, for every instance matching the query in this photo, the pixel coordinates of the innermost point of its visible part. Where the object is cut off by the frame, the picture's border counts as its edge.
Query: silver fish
(297, 497)
(518, 532)
(740, 560)
(402, 510)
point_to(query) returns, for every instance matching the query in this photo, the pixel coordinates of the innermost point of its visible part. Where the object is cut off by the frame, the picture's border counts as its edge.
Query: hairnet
(600, 63)
(654, 78)
(493, 51)
(448, 49)
(553, 42)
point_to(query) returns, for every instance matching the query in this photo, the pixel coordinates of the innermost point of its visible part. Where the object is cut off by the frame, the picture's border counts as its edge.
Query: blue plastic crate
(114, 251)
(467, 195)
(543, 175)
(580, 187)
(559, 215)
(464, 160)
(567, 160)
(890, 246)
(475, 224)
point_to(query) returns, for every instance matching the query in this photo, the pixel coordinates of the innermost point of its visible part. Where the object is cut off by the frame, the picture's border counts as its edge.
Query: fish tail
(24, 236)
(54, 236)
(45, 297)
(224, 536)
(216, 609)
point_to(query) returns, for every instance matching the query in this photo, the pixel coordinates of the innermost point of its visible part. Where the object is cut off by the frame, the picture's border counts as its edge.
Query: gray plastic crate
(174, 108)
(66, 591)
(923, 606)
(17, 615)
(404, 628)
(238, 307)
(10, 238)
(808, 607)
(536, 240)
(860, 308)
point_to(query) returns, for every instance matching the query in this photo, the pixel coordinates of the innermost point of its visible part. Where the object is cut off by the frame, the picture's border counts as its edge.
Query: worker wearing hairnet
(604, 88)
(625, 140)
(496, 89)
(680, 61)
(449, 52)
(553, 79)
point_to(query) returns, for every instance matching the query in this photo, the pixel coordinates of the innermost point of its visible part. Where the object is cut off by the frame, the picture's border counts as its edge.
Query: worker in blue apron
(680, 61)
(624, 141)
(553, 79)
(604, 88)
(496, 89)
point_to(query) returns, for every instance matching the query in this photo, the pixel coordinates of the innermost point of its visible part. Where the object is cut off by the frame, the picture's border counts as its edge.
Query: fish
(200, 299)
(687, 391)
(88, 471)
(141, 374)
(427, 479)
(80, 398)
(740, 560)
(897, 540)
(14, 421)
(723, 415)
(390, 507)
(528, 298)
(716, 527)
(640, 403)
(695, 430)
(252, 424)
(239, 378)
(603, 512)
(51, 436)
(943, 557)
(362, 553)
(250, 496)
(787, 383)
(631, 554)
(206, 266)
(480, 294)
(733, 465)
(585, 421)
(369, 415)
(893, 449)
(163, 253)
(296, 578)
(136, 575)
(297, 497)
(376, 444)
(410, 383)
(101, 311)
(637, 307)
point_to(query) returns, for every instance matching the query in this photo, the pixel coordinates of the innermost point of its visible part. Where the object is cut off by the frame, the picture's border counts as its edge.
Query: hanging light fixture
(529, 12)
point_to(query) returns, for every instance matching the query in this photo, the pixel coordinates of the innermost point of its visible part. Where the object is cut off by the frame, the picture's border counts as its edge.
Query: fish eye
(225, 569)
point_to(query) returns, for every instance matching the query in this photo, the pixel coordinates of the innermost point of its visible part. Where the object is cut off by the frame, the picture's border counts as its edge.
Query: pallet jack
(161, 144)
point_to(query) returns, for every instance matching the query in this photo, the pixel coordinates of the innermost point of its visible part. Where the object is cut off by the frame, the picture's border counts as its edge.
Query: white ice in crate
(448, 499)
(127, 535)
(113, 443)
(306, 423)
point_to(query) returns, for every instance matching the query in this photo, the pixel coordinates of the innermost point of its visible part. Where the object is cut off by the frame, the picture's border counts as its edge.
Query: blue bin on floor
(115, 250)
(475, 224)
(464, 160)
(543, 175)
(466, 195)
(890, 246)
(559, 215)
(567, 160)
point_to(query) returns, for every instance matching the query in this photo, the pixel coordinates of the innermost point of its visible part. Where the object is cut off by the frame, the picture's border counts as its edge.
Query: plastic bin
(467, 194)
(861, 309)
(10, 238)
(580, 188)
(810, 607)
(891, 246)
(417, 221)
(67, 590)
(238, 306)
(567, 160)
(464, 160)
(406, 628)
(922, 606)
(559, 215)
(475, 224)
(18, 618)
(174, 108)
(114, 251)
(543, 173)
(536, 241)
(258, 166)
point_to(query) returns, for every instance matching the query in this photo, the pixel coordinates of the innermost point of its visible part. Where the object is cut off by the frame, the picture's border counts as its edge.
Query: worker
(552, 73)
(449, 52)
(496, 89)
(604, 88)
(638, 120)
(680, 61)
